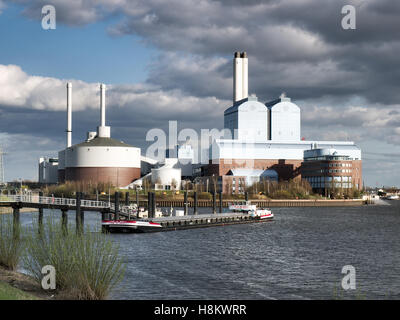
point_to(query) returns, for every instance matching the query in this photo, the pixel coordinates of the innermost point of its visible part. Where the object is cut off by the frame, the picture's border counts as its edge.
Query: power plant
(262, 141)
(99, 158)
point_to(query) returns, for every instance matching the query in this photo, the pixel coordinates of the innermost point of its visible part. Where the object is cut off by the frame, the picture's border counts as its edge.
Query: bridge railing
(28, 198)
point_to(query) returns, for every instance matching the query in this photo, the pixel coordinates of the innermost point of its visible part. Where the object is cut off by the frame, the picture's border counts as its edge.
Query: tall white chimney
(102, 105)
(103, 131)
(237, 77)
(69, 114)
(245, 75)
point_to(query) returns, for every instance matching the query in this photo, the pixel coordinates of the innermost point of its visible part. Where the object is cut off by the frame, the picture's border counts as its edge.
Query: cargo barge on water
(242, 214)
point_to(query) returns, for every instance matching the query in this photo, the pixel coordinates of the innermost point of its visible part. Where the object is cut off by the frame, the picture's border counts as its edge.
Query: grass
(11, 248)
(8, 292)
(87, 265)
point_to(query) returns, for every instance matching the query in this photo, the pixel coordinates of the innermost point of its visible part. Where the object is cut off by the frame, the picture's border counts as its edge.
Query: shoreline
(7, 210)
(264, 203)
(24, 283)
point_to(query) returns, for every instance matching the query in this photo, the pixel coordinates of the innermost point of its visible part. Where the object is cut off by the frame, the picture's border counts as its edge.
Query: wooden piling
(195, 203)
(116, 202)
(127, 198)
(214, 200)
(220, 201)
(78, 216)
(153, 204)
(16, 224)
(64, 220)
(185, 200)
(149, 204)
(40, 217)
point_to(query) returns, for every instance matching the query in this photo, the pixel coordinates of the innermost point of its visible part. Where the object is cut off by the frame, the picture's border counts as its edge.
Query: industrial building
(263, 137)
(261, 141)
(48, 170)
(327, 170)
(98, 159)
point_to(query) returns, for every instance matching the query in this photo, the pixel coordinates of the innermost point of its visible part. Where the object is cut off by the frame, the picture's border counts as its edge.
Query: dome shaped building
(100, 159)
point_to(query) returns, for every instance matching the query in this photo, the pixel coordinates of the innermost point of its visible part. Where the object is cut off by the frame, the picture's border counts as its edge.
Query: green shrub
(10, 243)
(204, 196)
(87, 265)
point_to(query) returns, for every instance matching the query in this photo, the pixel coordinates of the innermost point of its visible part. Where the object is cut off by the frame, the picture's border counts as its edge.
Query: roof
(103, 142)
(251, 100)
(253, 173)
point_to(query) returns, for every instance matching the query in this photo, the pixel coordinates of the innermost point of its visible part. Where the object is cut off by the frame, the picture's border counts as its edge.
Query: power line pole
(1, 166)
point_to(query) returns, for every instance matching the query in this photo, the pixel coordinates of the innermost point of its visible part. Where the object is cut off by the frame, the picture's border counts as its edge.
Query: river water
(299, 255)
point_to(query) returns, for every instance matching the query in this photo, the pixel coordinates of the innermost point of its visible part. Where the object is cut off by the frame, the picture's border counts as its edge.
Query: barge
(171, 223)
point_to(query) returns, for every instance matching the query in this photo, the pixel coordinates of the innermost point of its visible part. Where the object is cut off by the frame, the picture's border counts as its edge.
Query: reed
(87, 265)
(10, 243)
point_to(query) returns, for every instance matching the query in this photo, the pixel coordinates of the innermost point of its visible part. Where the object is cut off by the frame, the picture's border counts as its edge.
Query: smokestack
(102, 105)
(245, 74)
(103, 131)
(69, 114)
(237, 77)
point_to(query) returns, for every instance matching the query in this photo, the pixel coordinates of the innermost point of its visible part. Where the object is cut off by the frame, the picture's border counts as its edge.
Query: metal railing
(54, 201)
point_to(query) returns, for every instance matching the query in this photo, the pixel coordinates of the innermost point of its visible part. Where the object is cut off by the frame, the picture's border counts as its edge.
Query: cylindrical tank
(61, 166)
(166, 176)
(103, 160)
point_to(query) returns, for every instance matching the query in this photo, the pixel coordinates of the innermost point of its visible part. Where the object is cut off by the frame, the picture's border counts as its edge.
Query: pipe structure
(103, 131)
(102, 105)
(237, 77)
(69, 114)
(245, 75)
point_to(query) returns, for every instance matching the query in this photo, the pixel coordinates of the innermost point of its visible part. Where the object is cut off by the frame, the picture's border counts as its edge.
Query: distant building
(265, 137)
(327, 170)
(48, 170)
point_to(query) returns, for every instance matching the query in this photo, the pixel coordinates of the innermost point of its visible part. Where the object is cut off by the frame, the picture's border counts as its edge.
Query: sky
(172, 60)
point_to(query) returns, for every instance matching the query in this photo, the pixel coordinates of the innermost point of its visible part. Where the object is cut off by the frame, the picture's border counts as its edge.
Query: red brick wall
(119, 177)
(287, 169)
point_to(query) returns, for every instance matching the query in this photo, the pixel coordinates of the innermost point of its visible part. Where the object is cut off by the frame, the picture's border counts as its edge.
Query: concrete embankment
(264, 203)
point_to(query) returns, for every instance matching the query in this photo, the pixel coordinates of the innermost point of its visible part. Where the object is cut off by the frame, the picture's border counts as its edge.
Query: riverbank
(22, 210)
(18, 286)
(264, 203)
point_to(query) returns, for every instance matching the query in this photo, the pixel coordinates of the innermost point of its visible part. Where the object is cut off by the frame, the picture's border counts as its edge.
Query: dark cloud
(296, 46)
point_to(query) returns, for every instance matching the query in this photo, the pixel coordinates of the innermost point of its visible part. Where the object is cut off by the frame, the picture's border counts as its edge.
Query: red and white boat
(244, 206)
(130, 226)
(262, 214)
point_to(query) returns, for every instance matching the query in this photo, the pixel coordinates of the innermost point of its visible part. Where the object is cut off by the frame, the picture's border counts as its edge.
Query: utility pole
(1, 166)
